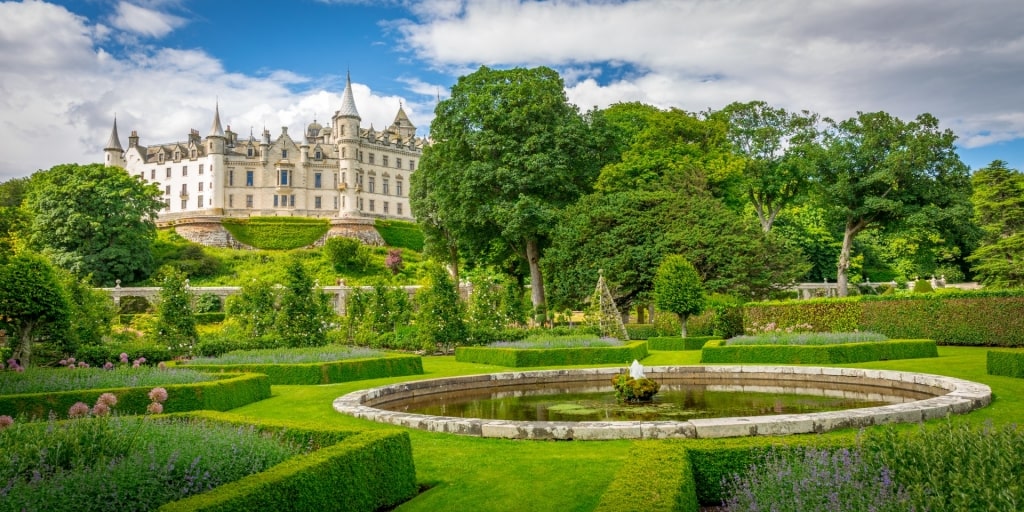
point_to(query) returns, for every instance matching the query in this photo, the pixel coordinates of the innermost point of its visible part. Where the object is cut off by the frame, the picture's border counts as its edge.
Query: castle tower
(215, 141)
(113, 154)
(346, 134)
(402, 127)
(216, 149)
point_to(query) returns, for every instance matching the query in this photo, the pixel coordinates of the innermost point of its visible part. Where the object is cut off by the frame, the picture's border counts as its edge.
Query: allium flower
(72, 366)
(135, 364)
(108, 399)
(71, 360)
(124, 357)
(6, 421)
(155, 408)
(108, 365)
(161, 365)
(83, 364)
(63, 362)
(100, 409)
(79, 410)
(142, 360)
(158, 395)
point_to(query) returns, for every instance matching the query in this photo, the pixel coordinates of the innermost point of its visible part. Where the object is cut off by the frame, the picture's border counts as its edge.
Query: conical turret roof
(348, 102)
(115, 141)
(215, 128)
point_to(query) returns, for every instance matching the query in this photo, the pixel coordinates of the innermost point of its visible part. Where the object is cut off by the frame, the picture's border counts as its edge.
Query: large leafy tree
(176, 321)
(878, 170)
(777, 150)
(305, 310)
(999, 210)
(94, 221)
(33, 304)
(677, 289)
(509, 152)
(12, 216)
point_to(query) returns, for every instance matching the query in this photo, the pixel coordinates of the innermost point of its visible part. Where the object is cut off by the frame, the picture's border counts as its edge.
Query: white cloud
(144, 21)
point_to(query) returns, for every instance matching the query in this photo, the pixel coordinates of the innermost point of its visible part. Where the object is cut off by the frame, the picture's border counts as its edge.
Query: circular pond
(695, 401)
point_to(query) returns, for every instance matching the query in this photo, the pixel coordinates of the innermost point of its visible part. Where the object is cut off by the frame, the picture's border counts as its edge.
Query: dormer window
(193, 153)
(250, 152)
(318, 155)
(160, 157)
(284, 153)
(177, 155)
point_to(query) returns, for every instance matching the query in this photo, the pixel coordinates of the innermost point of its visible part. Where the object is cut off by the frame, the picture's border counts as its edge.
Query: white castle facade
(339, 171)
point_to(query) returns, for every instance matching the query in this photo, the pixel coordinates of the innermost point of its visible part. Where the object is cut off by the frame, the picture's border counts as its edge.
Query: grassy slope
(498, 475)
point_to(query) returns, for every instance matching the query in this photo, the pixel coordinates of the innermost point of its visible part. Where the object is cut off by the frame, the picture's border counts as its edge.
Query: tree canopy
(999, 210)
(94, 221)
(33, 304)
(677, 288)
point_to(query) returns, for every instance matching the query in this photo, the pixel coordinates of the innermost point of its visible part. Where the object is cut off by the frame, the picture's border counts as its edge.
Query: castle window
(371, 205)
(184, 204)
(360, 156)
(385, 207)
(200, 168)
(398, 188)
(384, 160)
(200, 186)
(199, 202)
(336, 202)
(360, 204)
(231, 201)
(168, 172)
(152, 174)
(384, 188)
(398, 163)
(276, 199)
(343, 152)
(177, 155)
(398, 207)
(317, 202)
(293, 200)
(284, 153)
(167, 190)
(318, 155)
(193, 153)
(317, 180)
(231, 178)
(184, 170)
(412, 165)
(250, 152)
(282, 177)
(160, 157)
(359, 180)
(372, 182)
(248, 178)
(248, 201)
(184, 188)
(371, 158)
(167, 204)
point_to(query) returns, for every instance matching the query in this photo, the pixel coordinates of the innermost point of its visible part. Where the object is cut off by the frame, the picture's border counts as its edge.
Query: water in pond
(675, 402)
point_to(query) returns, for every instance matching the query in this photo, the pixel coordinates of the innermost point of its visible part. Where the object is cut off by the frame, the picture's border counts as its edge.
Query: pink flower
(83, 364)
(108, 365)
(135, 364)
(158, 395)
(79, 410)
(71, 360)
(124, 357)
(72, 366)
(63, 362)
(100, 409)
(142, 360)
(6, 421)
(108, 399)
(155, 408)
(161, 365)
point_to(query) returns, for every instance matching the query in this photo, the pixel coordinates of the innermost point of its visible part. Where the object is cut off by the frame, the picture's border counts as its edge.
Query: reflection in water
(676, 401)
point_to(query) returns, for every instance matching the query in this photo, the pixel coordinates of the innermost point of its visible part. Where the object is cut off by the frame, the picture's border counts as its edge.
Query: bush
(327, 372)
(718, 352)
(677, 343)
(207, 303)
(1005, 363)
(922, 286)
(343, 253)
(552, 357)
(96, 355)
(656, 476)
(276, 232)
(647, 331)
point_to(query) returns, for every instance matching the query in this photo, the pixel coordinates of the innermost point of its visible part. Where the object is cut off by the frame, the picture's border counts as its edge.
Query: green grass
(396, 233)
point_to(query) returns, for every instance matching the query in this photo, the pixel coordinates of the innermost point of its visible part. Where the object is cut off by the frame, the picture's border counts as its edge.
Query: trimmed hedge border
(326, 372)
(358, 471)
(228, 392)
(522, 357)
(1005, 363)
(657, 477)
(840, 353)
(677, 343)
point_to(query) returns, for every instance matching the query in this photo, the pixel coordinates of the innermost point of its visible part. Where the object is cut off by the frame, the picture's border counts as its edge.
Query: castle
(341, 171)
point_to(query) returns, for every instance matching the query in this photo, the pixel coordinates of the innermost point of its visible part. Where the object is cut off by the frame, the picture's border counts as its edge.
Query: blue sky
(67, 67)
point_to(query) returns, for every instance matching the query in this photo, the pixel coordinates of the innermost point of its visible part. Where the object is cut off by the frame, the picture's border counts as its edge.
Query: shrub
(276, 232)
(325, 372)
(342, 252)
(554, 356)
(677, 343)
(647, 331)
(208, 303)
(133, 305)
(657, 476)
(439, 321)
(176, 325)
(305, 312)
(397, 233)
(718, 352)
(922, 286)
(1005, 363)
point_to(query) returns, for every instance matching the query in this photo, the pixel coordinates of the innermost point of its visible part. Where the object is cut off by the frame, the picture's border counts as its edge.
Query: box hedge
(521, 357)
(229, 391)
(656, 477)
(1005, 363)
(276, 232)
(357, 471)
(840, 353)
(397, 233)
(987, 318)
(329, 372)
(677, 343)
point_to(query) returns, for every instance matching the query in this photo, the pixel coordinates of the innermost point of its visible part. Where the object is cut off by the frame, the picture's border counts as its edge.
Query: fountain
(930, 396)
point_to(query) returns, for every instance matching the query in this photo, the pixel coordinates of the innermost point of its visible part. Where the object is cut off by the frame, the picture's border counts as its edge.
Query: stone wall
(208, 231)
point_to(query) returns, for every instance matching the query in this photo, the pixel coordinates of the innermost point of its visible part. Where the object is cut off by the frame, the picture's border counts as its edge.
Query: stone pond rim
(950, 396)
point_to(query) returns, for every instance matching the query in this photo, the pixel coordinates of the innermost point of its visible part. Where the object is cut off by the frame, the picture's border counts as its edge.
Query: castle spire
(348, 102)
(215, 128)
(115, 142)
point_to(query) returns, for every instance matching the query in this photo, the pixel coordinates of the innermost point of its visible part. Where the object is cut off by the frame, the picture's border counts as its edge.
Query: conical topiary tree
(603, 312)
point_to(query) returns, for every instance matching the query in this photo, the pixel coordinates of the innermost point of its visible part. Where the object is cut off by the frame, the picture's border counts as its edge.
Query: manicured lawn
(467, 473)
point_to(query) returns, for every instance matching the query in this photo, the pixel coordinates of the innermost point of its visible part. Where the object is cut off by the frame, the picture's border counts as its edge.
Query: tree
(13, 220)
(33, 305)
(254, 308)
(778, 149)
(175, 319)
(509, 151)
(677, 289)
(440, 316)
(305, 310)
(94, 221)
(999, 211)
(878, 171)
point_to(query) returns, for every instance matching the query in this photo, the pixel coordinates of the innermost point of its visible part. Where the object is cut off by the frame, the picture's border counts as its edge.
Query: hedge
(228, 392)
(276, 232)
(364, 471)
(840, 353)
(396, 233)
(677, 343)
(1005, 363)
(993, 318)
(656, 477)
(325, 372)
(646, 331)
(520, 357)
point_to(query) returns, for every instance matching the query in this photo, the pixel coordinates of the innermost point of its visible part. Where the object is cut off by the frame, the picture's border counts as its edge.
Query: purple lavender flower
(63, 362)
(79, 410)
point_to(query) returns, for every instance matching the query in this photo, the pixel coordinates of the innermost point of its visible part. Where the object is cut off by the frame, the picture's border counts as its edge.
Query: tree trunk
(24, 351)
(640, 314)
(842, 269)
(453, 264)
(682, 320)
(536, 279)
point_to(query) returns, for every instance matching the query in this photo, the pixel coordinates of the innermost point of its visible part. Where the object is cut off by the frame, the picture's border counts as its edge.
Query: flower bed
(320, 371)
(522, 357)
(718, 352)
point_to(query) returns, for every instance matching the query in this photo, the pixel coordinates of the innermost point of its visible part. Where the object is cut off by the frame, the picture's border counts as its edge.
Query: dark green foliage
(254, 309)
(176, 323)
(998, 200)
(646, 331)
(369, 471)
(922, 286)
(276, 232)
(33, 305)
(375, 317)
(397, 233)
(823, 315)
(132, 305)
(1005, 363)
(95, 221)
(228, 392)
(677, 343)
(656, 476)
(90, 312)
(440, 317)
(495, 304)
(187, 257)
(346, 254)
(517, 357)
(628, 389)
(328, 372)
(717, 352)
(208, 303)
(305, 312)
(678, 289)
(96, 355)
